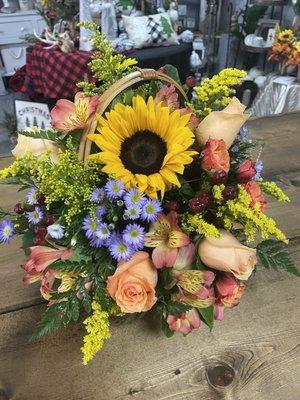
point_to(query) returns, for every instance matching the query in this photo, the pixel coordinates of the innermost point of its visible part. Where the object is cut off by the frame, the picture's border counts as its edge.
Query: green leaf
(207, 316)
(167, 281)
(186, 189)
(199, 264)
(172, 71)
(49, 134)
(27, 240)
(165, 327)
(51, 321)
(273, 254)
(101, 295)
(175, 307)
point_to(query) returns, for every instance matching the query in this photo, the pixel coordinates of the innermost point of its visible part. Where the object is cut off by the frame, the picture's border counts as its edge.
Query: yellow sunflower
(286, 36)
(144, 146)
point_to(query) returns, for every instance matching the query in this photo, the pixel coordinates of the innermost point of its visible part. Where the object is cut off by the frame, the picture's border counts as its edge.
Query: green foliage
(63, 9)
(172, 72)
(273, 254)
(165, 328)
(167, 29)
(175, 308)
(207, 316)
(27, 240)
(106, 66)
(251, 17)
(125, 4)
(58, 315)
(9, 123)
(242, 151)
(199, 264)
(49, 134)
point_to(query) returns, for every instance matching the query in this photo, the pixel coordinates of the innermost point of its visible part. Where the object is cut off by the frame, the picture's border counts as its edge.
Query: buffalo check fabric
(53, 74)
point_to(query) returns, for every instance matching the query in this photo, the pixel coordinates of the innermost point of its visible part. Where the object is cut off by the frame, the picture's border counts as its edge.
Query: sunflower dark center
(143, 153)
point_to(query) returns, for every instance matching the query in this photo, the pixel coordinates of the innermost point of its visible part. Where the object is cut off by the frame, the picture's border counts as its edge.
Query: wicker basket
(108, 96)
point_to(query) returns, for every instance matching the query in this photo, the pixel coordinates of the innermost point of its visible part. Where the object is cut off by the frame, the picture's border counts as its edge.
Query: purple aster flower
(133, 212)
(98, 195)
(150, 210)
(258, 168)
(96, 242)
(114, 189)
(103, 232)
(133, 235)
(7, 231)
(56, 231)
(244, 134)
(132, 197)
(34, 217)
(31, 196)
(89, 226)
(120, 250)
(100, 211)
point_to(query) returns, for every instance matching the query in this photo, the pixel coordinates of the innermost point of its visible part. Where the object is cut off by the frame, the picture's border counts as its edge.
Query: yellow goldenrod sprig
(273, 190)
(215, 93)
(253, 220)
(97, 327)
(196, 224)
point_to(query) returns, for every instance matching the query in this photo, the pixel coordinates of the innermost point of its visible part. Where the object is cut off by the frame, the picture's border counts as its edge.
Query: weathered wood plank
(257, 344)
(281, 137)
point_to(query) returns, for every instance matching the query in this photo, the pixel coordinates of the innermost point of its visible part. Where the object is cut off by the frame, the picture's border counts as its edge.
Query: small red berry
(190, 81)
(41, 199)
(200, 203)
(40, 230)
(50, 219)
(19, 209)
(219, 177)
(230, 192)
(172, 205)
(39, 240)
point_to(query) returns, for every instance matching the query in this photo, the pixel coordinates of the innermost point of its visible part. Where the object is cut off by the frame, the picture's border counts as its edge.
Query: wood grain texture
(258, 341)
(252, 355)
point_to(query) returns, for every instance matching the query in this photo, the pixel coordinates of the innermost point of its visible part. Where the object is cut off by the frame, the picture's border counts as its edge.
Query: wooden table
(252, 355)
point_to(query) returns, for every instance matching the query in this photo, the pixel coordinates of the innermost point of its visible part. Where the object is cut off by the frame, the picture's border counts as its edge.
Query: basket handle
(118, 87)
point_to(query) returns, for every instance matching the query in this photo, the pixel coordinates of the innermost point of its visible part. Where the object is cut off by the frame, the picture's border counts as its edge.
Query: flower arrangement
(286, 48)
(163, 215)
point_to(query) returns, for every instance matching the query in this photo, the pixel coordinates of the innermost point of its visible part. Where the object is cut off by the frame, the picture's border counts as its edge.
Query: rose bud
(173, 205)
(215, 156)
(226, 253)
(185, 322)
(224, 124)
(228, 291)
(190, 81)
(246, 171)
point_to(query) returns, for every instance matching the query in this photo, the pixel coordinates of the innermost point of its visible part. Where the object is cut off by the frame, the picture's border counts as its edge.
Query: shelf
(252, 49)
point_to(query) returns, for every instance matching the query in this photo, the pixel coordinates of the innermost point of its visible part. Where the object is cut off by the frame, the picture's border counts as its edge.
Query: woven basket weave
(108, 96)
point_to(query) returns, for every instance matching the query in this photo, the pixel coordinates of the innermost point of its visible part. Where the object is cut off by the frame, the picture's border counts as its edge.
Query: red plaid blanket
(53, 74)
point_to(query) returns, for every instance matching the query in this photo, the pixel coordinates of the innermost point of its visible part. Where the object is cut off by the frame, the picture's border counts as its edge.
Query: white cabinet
(12, 28)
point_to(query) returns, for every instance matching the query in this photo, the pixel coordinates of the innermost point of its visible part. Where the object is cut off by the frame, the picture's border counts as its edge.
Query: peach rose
(37, 147)
(133, 284)
(227, 254)
(223, 124)
(253, 189)
(246, 171)
(215, 156)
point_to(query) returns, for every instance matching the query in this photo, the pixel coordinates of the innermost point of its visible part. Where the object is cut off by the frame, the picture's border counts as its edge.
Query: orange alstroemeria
(166, 237)
(68, 116)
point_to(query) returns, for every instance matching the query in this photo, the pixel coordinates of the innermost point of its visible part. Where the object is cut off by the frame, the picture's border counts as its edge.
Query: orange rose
(215, 156)
(253, 189)
(224, 124)
(133, 284)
